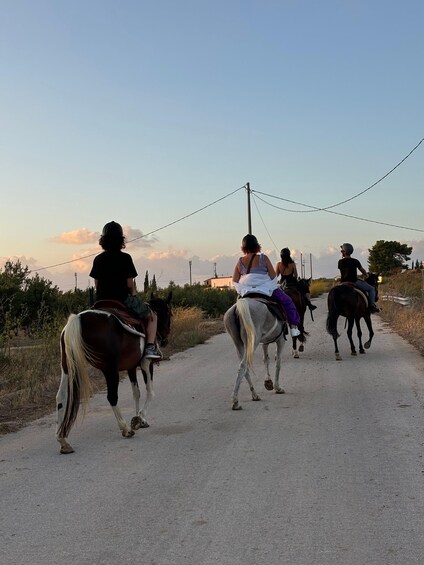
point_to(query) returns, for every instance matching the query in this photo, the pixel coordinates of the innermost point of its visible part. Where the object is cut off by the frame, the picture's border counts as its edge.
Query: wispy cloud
(80, 236)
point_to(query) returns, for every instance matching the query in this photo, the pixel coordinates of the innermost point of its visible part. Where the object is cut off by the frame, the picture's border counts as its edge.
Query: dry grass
(29, 375)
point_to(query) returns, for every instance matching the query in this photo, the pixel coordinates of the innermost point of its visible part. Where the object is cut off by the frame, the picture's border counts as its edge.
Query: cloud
(80, 236)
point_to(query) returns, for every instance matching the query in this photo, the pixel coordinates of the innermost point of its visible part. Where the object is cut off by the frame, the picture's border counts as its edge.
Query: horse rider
(254, 273)
(114, 272)
(348, 267)
(286, 269)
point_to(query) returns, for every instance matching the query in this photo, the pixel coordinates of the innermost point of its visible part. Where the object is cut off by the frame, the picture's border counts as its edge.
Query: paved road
(330, 473)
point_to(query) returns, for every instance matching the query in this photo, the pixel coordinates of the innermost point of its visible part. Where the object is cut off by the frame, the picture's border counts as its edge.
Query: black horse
(349, 301)
(298, 294)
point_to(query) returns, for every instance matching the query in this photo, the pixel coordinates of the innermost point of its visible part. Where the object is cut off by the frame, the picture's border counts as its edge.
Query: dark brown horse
(349, 301)
(99, 338)
(297, 294)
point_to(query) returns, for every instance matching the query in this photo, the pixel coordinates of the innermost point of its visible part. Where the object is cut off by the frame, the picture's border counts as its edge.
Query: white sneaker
(294, 332)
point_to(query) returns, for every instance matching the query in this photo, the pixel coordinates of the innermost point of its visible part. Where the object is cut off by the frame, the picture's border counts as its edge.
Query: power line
(316, 209)
(346, 216)
(266, 229)
(145, 234)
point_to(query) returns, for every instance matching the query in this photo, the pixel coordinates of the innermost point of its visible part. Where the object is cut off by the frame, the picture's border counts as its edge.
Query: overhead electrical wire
(346, 216)
(145, 234)
(317, 209)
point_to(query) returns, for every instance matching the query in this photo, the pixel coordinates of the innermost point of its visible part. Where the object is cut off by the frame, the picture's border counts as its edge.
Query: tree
(387, 256)
(417, 264)
(146, 282)
(154, 285)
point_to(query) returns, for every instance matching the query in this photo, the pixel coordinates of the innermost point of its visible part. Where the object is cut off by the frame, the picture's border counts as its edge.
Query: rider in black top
(114, 272)
(349, 266)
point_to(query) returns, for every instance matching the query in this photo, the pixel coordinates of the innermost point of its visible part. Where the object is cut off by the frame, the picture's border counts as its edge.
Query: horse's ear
(169, 297)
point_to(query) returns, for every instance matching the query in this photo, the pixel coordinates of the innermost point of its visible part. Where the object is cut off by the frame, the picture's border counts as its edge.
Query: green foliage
(387, 256)
(146, 282)
(214, 302)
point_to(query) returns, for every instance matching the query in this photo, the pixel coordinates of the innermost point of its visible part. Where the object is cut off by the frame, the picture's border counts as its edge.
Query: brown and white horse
(98, 338)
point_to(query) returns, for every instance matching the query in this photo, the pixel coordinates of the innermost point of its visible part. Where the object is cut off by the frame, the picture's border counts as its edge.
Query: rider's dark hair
(250, 244)
(285, 256)
(112, 238)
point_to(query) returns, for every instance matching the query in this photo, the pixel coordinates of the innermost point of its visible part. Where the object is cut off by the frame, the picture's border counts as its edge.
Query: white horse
(249, 323)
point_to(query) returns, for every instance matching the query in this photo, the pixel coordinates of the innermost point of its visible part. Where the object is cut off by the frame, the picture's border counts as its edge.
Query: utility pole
(249, 212)
(189, 264)
(310, 262)
(76, 281)
(214, 270)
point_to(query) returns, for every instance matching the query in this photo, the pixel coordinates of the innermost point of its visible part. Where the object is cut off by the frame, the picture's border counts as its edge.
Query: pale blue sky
(143, 112)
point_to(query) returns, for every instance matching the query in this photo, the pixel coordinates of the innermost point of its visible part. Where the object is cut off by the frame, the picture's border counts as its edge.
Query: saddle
(273, 306)
(358, 290)
(119, 310)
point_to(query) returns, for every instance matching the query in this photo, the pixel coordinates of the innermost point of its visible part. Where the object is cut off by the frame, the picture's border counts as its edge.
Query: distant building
(219, 282)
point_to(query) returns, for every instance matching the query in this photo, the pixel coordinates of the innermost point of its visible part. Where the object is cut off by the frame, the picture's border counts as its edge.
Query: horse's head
(372, 279)
(163, 310)
(304, 285)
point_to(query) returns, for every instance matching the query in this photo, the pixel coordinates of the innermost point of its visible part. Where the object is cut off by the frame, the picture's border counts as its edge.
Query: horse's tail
(333, 314)
(243, 311)
(76, 355)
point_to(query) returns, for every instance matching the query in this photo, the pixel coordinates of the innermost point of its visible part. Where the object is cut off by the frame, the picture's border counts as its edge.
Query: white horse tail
(77, 354)
(243, 311)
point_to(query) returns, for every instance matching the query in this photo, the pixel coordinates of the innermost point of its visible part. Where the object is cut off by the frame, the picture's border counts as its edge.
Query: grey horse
(249, 323)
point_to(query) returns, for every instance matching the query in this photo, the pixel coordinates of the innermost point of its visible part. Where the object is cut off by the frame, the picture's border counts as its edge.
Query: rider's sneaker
(294, 332)
(374, 309)
(152, 352)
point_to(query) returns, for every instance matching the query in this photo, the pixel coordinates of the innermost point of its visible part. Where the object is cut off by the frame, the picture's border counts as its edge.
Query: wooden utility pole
(249, 211)
(189, 264)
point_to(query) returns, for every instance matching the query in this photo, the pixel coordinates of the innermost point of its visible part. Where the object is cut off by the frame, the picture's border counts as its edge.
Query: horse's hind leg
(112, 379)
(140, 421)
(367, 319)
(359, 333)
(350, 323)
(280, 347)
(255, 395)
(62, 398)
(295, 353)
(269, 385)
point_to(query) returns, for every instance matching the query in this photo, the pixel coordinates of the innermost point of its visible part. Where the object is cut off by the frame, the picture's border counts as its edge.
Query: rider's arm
(131, 286)
(236, 274)
(269, 267)
(278, 268)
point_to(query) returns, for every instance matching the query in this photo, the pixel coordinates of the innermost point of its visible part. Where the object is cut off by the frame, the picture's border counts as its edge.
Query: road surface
(331, 473)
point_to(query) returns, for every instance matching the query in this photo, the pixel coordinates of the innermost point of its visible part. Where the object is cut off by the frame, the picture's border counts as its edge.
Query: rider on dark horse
(114, 272)
(254, 273)
(348, 267)
(286, 269)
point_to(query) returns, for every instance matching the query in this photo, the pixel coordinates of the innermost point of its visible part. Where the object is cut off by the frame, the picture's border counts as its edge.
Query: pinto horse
(98, 338)
(349, 301)
(297, 294)
(249, 323)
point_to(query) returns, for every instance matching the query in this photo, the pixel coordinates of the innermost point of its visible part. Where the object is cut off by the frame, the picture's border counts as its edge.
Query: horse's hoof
(280, 391)
(268, 384)
(367, 345)
(301, 348)
(67, 449)
(338, 357)
(127, 433)
(353, 353)
(256, 398)
(362, 351)
(144, 424)
(295, 355)
(136, 423)
(236, 406)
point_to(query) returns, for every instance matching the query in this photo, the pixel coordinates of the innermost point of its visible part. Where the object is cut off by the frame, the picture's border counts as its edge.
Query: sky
(157, 114)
